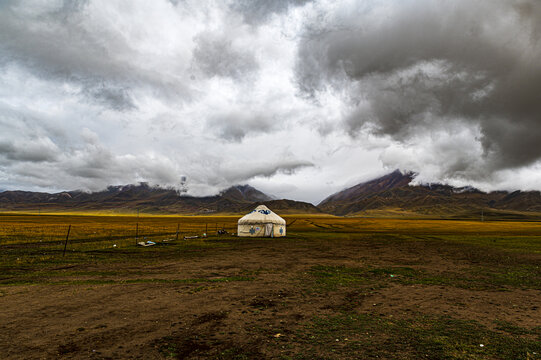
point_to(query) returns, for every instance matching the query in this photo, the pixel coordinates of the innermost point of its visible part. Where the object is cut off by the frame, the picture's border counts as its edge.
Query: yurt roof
(262, 215)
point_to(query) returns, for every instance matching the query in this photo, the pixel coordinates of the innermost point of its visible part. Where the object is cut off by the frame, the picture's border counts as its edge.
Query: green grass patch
(517, 330)
(521, 276)
(348, 336)
(326, 278)
(525, 244)
(14, 282)
(332, 277)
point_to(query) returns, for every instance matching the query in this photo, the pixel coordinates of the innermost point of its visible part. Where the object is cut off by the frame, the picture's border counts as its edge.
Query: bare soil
(271, 295)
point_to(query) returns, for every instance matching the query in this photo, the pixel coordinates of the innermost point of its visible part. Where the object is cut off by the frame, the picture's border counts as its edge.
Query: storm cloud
(407, 68)
(298, 98)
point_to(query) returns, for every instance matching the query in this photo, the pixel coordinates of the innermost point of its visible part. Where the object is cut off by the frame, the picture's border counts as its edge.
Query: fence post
(178, 228)
(66, 243)
(136, 232)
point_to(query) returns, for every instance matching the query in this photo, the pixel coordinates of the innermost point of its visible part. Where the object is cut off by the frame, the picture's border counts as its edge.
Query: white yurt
(261, 222)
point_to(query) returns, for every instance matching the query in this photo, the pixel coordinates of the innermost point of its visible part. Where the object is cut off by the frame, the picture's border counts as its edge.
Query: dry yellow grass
(104, 230)
(107, 228)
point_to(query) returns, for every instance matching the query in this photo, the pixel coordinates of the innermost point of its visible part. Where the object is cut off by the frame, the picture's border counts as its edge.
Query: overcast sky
(298, 98)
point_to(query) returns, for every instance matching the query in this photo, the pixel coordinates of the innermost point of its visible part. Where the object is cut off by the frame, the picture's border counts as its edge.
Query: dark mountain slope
(147, 198)
(393, 192)
(363, 190)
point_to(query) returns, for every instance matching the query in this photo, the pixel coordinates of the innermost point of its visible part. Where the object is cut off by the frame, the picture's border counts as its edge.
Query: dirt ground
(255, 298)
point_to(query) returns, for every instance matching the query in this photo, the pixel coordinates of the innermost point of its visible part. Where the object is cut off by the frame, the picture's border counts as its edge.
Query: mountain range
(389, 195)
(129, 198)
(394, 194)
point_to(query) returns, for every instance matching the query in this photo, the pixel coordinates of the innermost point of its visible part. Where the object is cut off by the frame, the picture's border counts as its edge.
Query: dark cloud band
(415, 66)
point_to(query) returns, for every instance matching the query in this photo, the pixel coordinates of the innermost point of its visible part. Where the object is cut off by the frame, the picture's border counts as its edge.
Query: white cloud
(298, 98)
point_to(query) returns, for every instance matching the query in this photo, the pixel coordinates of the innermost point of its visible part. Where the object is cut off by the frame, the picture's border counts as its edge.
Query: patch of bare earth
(255, 316)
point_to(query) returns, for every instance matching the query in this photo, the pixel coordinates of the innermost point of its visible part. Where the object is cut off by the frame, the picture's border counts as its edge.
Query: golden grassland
(103, 230)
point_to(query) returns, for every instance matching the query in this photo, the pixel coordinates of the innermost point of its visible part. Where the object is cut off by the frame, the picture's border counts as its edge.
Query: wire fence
(87, 233)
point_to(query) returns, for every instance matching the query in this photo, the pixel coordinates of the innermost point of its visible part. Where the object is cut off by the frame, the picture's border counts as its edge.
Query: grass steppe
(334, 288)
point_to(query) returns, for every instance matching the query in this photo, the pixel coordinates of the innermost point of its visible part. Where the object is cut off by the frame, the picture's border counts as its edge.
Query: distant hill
(393, 193)
(128, 198)
(390, 195)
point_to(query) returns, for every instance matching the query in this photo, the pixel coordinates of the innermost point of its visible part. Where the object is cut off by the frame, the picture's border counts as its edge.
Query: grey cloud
(422, 65)
(97, 163)
(69, 8)
(266, 170)
(230, 173)
(31, 150)
(92, 168)
(216, 55)
(115, 98)
(235, 125)
(530, 13)
(57, 45)
(31, 134)
(93, 162)
(259, 11)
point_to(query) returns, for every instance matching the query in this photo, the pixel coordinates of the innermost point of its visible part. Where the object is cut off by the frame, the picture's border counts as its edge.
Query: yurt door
(268, 229)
